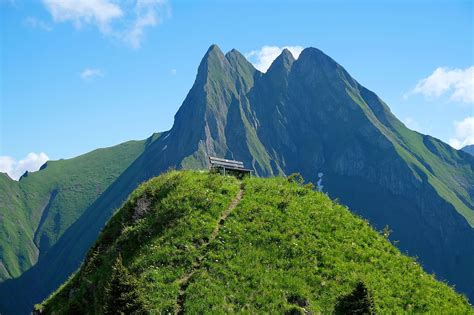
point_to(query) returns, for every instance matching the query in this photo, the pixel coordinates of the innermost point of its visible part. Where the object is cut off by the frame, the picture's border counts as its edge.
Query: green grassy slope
(448, 171)
(283, 248)
(17, 250)
(39, 208)
(76, 183)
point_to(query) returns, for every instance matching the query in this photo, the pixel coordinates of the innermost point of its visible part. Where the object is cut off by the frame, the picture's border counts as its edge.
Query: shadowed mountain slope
(469, 149)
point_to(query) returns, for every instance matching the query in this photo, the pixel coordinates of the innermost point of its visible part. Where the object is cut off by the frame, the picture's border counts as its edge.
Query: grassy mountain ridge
(283, 248)
(17, 249)
(43, 205)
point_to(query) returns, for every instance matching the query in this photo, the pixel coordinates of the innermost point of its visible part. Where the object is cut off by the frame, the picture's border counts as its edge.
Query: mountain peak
(214, 53)
(213, 49)
(309, 56)
(313, 51)
(282, 64)
(239, 62)
(234, 54)
(287, 53)
(214, 60)
(233, 51)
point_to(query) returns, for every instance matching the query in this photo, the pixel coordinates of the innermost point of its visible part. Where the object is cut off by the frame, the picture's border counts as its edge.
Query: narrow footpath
(186, 278)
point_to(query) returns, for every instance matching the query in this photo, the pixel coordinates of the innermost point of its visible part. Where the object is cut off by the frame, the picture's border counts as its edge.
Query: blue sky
(84, 74)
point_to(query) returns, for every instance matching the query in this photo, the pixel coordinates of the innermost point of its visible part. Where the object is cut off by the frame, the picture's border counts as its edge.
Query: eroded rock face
(142, 207)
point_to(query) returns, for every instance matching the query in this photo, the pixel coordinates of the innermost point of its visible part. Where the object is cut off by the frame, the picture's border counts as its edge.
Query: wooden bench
(230, 167)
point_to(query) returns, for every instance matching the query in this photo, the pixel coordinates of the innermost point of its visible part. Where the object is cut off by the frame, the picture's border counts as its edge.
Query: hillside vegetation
(40, 207)
(283, 248)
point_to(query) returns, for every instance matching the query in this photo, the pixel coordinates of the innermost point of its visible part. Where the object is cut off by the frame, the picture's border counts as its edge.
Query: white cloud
(146, 14)
(122, 20)
(32, 162)
(89, 73)
(263, 57)
(39, 24)
(463, 133)
(457, 83)
(79, 12)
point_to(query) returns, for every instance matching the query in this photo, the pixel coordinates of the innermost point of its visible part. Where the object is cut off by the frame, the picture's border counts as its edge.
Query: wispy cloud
(32, 162)
(36, 23)
(457, 84)
(173, 71)
(147, 13)
(89, 73)
(79, 12)
(122, 20)
(262, 58)
(463, 133)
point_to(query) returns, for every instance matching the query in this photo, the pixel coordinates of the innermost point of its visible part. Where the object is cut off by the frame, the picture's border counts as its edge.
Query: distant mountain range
(469, 149)
(306, 115)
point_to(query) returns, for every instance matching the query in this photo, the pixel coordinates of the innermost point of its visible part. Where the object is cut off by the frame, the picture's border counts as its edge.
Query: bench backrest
(225, 163)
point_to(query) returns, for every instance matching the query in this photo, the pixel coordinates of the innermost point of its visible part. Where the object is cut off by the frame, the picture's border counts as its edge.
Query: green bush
(122, 293)
(358, 302)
